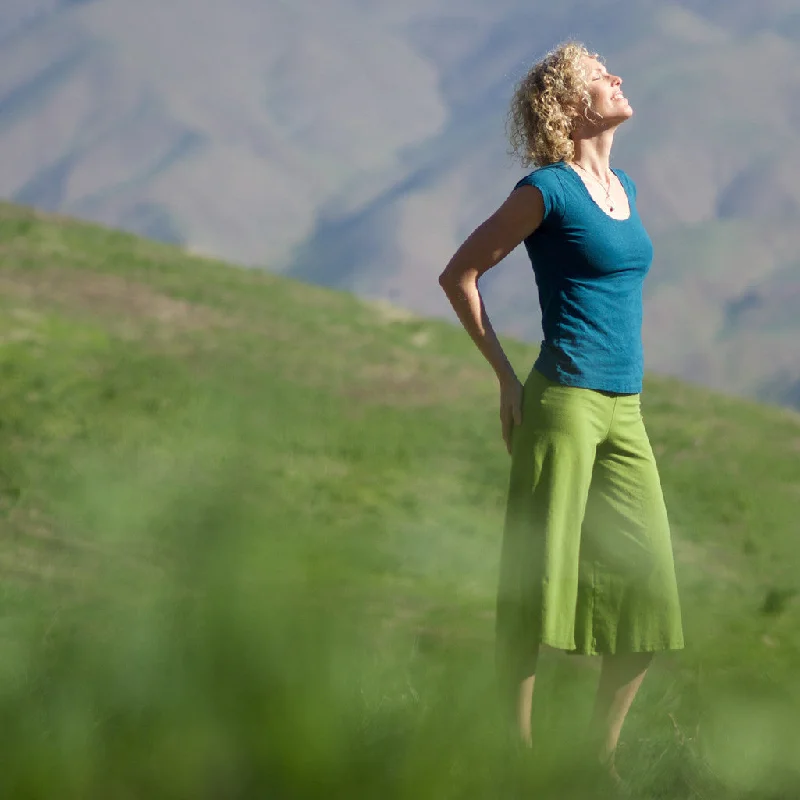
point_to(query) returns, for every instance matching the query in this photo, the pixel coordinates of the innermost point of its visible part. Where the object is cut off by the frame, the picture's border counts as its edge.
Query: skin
(516, 219)
(594, 138)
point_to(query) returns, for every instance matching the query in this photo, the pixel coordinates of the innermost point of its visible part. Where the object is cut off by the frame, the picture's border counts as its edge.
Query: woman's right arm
(490, 243)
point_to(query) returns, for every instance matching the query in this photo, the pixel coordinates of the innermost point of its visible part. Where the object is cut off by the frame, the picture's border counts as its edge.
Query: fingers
(505, 421)
(517, 412)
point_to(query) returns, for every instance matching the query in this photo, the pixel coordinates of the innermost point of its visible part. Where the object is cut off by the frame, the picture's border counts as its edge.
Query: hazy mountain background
(356, 142)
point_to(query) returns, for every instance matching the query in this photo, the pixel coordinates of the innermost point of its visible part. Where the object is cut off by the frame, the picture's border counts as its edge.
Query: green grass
(250, 541)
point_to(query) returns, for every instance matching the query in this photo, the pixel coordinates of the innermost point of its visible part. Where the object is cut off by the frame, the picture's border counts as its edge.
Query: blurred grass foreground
(250, 540)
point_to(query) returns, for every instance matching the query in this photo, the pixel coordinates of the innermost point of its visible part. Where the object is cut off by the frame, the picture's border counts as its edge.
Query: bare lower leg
(524, 708)
(620, 679)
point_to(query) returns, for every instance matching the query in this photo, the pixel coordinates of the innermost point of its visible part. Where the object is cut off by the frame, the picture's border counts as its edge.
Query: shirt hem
(582, 382)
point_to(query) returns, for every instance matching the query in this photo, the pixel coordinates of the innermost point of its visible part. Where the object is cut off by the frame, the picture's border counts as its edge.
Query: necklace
(605, 187)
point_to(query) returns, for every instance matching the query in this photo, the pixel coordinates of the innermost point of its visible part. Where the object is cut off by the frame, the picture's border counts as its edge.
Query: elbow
(452, 277)
(457, 285)
(446, 281)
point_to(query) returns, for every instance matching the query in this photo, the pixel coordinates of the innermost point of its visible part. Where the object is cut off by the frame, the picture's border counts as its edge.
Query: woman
(587, 563)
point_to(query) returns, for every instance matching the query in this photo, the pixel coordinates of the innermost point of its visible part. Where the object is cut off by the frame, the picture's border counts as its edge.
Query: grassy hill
(373, 133)
(250, 539)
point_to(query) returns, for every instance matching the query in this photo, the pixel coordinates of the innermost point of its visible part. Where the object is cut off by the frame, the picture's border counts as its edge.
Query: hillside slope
(273, 133)
(250, 537)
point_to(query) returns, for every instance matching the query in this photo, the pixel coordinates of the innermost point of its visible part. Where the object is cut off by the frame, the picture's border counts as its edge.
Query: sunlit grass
(250, 539)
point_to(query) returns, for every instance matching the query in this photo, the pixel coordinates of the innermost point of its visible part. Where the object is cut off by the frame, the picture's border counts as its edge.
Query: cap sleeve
(549, 184)
(627, 182)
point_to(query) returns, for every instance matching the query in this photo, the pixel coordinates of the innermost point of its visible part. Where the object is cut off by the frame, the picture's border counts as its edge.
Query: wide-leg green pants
(587, 563)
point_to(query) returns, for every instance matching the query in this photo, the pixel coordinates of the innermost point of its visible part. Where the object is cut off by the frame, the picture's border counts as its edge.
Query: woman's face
(608, 102)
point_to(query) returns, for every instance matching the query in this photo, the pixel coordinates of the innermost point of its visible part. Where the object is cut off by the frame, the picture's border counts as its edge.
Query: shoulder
(626, 181)
(547, 176)
(548, 180)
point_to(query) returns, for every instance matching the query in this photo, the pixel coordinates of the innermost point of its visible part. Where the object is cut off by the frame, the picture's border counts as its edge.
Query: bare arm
(490, 243)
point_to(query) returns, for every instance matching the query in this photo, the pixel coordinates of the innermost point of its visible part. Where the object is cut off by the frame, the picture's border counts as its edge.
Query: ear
(578, 116)
(575, 113)
(586, 114)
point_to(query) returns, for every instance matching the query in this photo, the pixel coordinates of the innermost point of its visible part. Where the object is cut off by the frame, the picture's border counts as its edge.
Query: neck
(593, 153)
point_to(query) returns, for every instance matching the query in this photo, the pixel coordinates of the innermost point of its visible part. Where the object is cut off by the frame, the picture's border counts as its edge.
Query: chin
(625, 115)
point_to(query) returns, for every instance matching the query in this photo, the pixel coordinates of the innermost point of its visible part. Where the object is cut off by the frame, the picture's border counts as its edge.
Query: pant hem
(572, 649)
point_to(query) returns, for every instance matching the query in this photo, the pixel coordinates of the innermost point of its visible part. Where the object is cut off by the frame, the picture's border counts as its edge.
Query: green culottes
(586, 563)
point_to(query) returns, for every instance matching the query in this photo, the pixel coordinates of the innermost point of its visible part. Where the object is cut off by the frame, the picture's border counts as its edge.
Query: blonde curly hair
(543, 108)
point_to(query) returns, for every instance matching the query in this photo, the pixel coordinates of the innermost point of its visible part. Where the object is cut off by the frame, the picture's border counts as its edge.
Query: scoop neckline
(594, 202)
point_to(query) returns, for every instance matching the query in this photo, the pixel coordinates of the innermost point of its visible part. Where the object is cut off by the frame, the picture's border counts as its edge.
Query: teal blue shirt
(589, 270)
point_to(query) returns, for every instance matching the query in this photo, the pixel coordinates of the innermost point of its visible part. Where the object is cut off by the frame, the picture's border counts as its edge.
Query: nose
(616, 80)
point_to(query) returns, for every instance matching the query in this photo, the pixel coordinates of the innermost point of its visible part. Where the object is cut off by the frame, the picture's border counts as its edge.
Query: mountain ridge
(357, 144)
